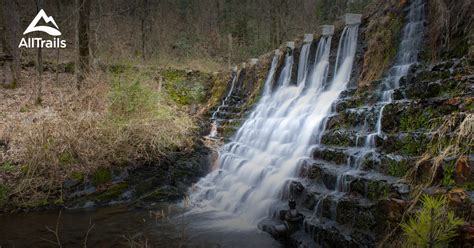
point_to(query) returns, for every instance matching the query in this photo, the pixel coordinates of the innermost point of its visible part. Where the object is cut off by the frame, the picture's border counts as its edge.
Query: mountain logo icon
(48, 19)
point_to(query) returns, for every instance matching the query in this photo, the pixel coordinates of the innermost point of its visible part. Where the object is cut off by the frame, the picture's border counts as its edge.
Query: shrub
(434, 226)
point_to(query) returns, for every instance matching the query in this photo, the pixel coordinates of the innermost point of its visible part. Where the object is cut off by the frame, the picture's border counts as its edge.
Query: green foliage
(113, 192)
(66, 158)
(7, 166)
(434, 225)
(24, 109)
(448, 176)
(398, 168)
(77, 176)
(130, 100)
(411, 121)
(377, 190)
(101, 176)
(186, 93)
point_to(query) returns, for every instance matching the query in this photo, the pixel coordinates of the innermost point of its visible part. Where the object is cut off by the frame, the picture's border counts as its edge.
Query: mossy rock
(4, 192)
(398, 168)
(165, 193)
(101, 176)
(113, 192)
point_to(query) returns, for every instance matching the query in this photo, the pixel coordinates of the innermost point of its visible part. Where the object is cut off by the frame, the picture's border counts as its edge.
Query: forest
(225, 123)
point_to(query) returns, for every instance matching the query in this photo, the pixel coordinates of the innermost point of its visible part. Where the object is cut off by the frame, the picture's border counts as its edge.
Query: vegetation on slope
(120, 117)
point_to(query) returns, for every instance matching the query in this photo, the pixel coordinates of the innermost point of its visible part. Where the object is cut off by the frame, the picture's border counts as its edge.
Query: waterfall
(214, 124)
(407, 55)
(266, 151)
(412, 35)
(271, 74)
(303, 62)
(285, 75)
(320, 72)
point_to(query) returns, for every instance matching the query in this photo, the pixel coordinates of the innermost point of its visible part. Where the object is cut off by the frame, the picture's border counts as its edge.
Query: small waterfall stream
(267, 150)
(214, 125)
(409, 47)
(303, 62)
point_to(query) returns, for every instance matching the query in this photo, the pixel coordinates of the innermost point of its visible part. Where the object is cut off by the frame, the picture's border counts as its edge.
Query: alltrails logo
(40, 42)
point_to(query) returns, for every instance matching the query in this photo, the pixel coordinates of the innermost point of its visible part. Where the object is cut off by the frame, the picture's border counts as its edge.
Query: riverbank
(128, 131)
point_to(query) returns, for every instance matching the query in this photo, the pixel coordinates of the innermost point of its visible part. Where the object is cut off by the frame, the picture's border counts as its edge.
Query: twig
(55, 232)
(91, 226)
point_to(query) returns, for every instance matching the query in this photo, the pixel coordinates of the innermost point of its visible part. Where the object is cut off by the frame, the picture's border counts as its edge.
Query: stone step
(328, 233)
(226, 115)
(367, 160)
(409, 143)
(347, 209)
(398, 116)
(368, 184)
(451, 86)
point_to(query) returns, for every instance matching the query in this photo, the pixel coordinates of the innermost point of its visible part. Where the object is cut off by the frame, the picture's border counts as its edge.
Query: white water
(266, 151)
(407, 55)
(214, 124)
(412, 35)
(303, 62)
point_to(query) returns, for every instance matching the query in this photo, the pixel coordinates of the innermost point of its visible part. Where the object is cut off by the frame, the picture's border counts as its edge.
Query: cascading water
(214, 124)
(303, 62)
(412, 35)
(266, 151)
(407, 55)
(285, 75)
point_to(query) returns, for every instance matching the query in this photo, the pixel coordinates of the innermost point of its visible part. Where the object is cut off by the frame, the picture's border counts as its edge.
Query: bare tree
(82, 40)
(9, 54)
(39, 63)
(145, 26)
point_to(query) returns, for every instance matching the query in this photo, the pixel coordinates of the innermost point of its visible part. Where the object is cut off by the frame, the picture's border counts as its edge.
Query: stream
(120, 226)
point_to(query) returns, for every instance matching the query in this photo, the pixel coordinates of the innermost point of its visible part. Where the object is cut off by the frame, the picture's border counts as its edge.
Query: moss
(162, 194)
(113, 192)
(173, 75)
(24, 109)
(377, 190)
(218, 90)
(230, 128)
(77, 176)
(398, 168)
(411, 121)
(66, 158)
(411, 145)
(336, 140)
(41, 202)
(69, 67)
(432, 76)
(101, 176)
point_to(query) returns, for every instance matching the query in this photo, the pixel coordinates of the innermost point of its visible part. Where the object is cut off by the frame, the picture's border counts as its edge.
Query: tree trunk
(94, 46)
(9, 33)
(229, 57)
(82, 40)
(39, 64)
(145, 25)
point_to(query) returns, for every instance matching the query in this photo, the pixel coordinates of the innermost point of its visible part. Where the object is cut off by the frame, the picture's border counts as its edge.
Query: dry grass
(113, 120)
(382, 35)
(449, 23)
(453, 138)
